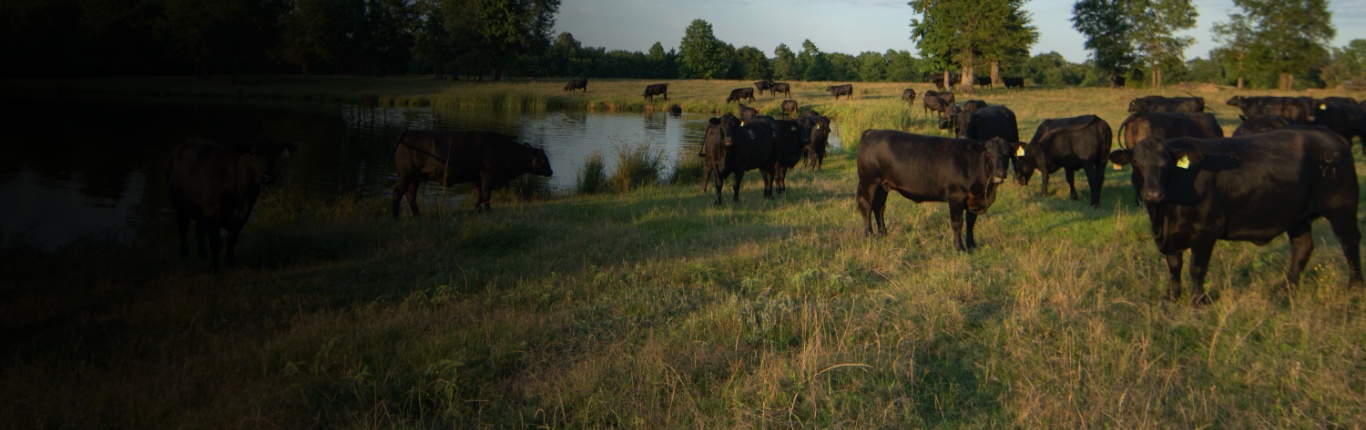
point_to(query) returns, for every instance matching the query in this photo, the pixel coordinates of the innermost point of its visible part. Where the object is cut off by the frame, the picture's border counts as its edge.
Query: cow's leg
(1301, 245)
(1043, 179)
(706, 176)
(485, 188)
(201, 237)
(720, 183)
(1174, 262)
(400, 188)
(864, 195)
(768, 177)
(1071, 175)
(183, 226)
(1095, 178)
(972, 223)
(1349, 236)
(1137, 181)
(1200, 255)
(880, 207)
(780, 180)
(230, 244)
(411, 194)
(956, 221)
(215, 244)
(739, 175)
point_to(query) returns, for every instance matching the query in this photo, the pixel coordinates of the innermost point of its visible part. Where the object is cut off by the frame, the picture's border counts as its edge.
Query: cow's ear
(1241, 117)
(1122, 157)
(714, 121)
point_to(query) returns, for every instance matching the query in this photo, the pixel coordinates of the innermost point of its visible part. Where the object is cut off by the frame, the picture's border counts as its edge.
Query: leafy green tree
(1153, 23)
(1348, 64)
(1052, 69)
(1235, 38)
(968, 33)
(807, 59)
(1205, 70)
(902, 67)
(783, 63)
(662, 64)
(753, 63)
(1108, 33)
(508, 29)
(221, 36)
(844, 67)
(321, 34)
(1291, 36)
(701, 54)
(872, 67)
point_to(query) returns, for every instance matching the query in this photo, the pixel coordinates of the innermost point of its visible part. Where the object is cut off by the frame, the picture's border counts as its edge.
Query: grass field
(655, 308)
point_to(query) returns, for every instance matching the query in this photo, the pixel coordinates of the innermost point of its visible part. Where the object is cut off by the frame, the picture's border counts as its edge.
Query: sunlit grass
(654, 307)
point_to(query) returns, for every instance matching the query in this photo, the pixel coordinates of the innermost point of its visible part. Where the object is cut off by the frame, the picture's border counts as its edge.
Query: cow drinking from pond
(1249, 188)
(653, 90)
(490, 160)
(216, 186)
(964, 173)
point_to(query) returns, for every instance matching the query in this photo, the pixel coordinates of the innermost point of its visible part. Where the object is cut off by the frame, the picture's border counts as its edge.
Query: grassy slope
(656, 307)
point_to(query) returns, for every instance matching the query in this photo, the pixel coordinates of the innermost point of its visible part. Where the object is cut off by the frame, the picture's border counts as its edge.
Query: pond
(94, 170)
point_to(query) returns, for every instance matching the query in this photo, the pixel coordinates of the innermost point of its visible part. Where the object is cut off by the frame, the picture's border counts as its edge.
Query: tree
(964, 32)
(783, 59)
(753, 63)
(510, 28)
(1235, 37)
(701, 53)
(1052, 69)
(902, 67)
(1290, 38)
(844, 67)
(221, 36)
(321, 34)
(1107, 30)
(1153, 22)
(872, 67)
(1349, 64)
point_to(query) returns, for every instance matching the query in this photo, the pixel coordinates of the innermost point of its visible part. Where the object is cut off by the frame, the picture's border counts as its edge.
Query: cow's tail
(401, 138)
(1123, 125)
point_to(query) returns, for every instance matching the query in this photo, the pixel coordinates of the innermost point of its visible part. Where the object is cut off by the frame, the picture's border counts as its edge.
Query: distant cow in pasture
(731, 146)
(937, 101)
(841, 90)
(1260, 124)
(1081, 142)
(964, 173)
(1249, 188)
(781, 87)
(1259, 105)
(1117, 81)
(908, 96)
(790, 107)
(938, 80)
(1013, 82)
(490, 160)
(653, 90)
(1338, 99)
(740, 94)
(675, 109)
(986, 123)
(763, 85)
(216, 186)
(747, 112)
(1167, 104)
(957, 115)
(983, 81)
(576, 84)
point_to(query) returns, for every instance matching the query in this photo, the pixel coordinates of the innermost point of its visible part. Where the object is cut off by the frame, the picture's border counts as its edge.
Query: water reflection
(73, 170)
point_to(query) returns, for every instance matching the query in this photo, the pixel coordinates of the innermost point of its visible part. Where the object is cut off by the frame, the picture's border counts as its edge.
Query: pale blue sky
(850, 26)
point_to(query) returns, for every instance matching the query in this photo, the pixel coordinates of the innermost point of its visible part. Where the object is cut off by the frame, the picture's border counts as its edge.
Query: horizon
(626, 24)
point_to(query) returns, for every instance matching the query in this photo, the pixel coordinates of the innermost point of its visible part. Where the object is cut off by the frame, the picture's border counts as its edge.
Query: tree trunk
(1287, 81)
(996, 74)
(948, 85)
(967, 79)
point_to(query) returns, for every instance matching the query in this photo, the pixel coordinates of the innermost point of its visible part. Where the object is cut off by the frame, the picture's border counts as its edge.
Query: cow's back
(921, 168)
(202, 174)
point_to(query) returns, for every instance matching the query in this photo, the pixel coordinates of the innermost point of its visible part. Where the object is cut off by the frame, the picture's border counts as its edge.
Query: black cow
(963, 173)
(782, 87)
(1343, 100)
(1260, 124)
(1166, 125)
(734, 146)
(988, 122)
(938, 101)
(1249, 188)
(1013, 82)
(958, 115)
(938, 79)
(747, 112)
(908, 96)
(488, 159)
(819, 127)
(790, 107)
(841, 90)
(790, 140)
(1260, 105)
(216, 186)
(675, 109)
(740, 94)
(1166, 104)
(576, 84)
(764, 85)
(984, 81)
(653, 90)
(1347, 120)
(1116, 81)
(1074, 143)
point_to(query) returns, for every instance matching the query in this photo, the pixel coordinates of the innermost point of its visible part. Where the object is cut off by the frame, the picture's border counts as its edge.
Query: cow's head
(1135, 105)
(538, 163)
(261, 156)
(1236, 101)
(1158, 161)
(717, 137)
(948, 118)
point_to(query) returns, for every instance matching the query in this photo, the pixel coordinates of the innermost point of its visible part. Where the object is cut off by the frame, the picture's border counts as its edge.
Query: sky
(852, 26)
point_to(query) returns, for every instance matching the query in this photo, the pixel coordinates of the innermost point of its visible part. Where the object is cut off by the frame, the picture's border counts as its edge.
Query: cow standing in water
(488, 159)
(216, 186)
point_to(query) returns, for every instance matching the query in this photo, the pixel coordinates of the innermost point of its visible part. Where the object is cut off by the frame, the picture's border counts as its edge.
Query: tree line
(1264, 43)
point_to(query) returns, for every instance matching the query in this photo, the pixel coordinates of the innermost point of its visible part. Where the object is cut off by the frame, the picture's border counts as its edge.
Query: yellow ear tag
(818, 126)
(1116, 166)
(1323, 106)
(742, 123)
(1184, 162)
(794, 128)
(1019, 152)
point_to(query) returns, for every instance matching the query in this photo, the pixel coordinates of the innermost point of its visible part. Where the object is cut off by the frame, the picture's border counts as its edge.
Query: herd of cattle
(1288, 164)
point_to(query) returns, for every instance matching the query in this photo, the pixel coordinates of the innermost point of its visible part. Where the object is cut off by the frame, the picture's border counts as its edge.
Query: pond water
(81, 170)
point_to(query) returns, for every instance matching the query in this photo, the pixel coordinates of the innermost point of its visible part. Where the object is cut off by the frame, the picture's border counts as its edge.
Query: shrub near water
(593, 176)
(638, 165)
